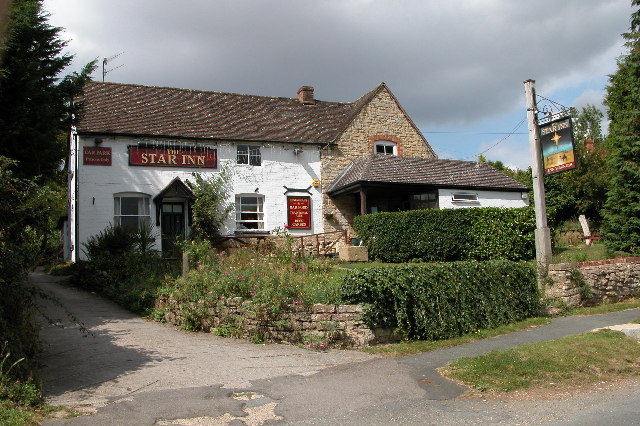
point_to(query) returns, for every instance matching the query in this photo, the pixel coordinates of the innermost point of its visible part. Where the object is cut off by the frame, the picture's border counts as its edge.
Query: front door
(172, 225)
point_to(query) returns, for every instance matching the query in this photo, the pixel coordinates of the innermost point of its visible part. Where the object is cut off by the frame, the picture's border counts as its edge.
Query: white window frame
(464, 197)
(143, 209)
(245, 209)
(385, 145)
(249, 154)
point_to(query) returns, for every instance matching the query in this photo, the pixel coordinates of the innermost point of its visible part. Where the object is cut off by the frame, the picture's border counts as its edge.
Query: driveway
(121, 354)
(132, 371)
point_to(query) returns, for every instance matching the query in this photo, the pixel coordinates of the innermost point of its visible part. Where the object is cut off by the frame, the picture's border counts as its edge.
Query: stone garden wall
(317, 326)
(586, 283)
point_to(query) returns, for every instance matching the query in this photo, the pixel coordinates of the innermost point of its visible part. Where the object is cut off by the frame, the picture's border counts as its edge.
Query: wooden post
(542, 234)
(363, 202)
(185, 264)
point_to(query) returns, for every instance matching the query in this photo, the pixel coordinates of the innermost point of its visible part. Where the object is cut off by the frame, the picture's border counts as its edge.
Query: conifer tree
(621, 225)
(35, 104)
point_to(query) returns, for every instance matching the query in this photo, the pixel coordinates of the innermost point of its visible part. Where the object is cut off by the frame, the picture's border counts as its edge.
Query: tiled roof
(113, 108)
(422, 171)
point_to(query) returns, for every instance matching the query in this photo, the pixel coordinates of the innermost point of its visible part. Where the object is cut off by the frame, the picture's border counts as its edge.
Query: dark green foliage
(27, 212)
(439, 301)
(211, 206)
(452, 234)
(621, 225)
(581, 190)
(34, 106)
(122, 266)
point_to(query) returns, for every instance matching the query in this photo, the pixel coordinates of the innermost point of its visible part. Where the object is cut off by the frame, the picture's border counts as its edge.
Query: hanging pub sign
(96, 156)
(173, 157)
(299, 212)
(556, 139)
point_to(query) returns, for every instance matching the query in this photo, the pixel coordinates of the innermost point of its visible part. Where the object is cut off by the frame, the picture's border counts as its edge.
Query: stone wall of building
(381, 119)
(331, 325)
(586, 283)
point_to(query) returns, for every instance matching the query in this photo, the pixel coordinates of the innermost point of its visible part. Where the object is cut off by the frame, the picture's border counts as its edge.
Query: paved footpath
(132, 371)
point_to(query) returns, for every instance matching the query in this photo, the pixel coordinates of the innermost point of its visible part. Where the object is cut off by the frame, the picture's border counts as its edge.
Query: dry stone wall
(332, 325)
(586, 283)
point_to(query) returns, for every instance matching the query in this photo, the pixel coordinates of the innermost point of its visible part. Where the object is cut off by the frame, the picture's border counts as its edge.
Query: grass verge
(16, 415)
(419, 346)
(569, 362)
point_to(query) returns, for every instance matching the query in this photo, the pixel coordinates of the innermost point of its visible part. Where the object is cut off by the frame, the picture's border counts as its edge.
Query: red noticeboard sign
(299, 212)
(173, 157)
(96, 156)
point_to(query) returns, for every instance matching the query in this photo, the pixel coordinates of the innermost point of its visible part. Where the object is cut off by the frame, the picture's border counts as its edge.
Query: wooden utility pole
(543, 235)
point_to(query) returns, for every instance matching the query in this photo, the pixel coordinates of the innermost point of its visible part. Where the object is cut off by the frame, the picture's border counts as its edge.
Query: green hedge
(443, 300)
(450, 234)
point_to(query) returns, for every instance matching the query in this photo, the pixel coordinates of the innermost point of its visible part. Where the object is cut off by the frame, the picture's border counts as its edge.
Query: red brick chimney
(305, 95)
(589, 145)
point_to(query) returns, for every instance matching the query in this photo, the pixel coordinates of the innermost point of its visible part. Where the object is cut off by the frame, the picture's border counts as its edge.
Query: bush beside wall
(440, 301)
(449, 235)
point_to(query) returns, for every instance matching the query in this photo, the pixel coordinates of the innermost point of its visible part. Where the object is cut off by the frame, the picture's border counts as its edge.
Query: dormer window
(385, 148)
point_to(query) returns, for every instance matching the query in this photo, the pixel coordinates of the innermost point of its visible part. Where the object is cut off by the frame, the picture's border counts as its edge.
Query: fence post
(185, 264)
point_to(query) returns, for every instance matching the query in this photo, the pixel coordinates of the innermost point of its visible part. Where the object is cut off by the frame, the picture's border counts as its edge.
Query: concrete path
(138, 372)
(123, 354)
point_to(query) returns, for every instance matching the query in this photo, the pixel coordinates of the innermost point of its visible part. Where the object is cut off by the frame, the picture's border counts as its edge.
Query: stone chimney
(305, 95)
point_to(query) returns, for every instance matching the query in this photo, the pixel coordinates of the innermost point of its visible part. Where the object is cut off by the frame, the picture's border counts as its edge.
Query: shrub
(440, 301)
(447, 235)
(122, 266)
(271, 282)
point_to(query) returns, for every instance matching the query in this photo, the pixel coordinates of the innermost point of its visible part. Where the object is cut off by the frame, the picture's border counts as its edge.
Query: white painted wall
(280, 167)
(485, 199)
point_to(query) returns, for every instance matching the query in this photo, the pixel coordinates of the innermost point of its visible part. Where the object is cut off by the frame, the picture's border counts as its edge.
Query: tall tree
(621, 225)
(35, 104)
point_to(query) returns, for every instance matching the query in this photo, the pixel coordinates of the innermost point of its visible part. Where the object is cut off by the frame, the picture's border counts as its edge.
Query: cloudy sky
(457, 66)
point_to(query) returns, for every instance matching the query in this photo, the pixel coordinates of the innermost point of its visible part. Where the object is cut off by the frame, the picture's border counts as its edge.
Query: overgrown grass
(569, 362)
(16, 415)
(581, 253)
(418, 346)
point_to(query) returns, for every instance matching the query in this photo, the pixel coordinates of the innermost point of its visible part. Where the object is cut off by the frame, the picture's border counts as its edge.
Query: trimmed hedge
(446, 235)
(440, 301)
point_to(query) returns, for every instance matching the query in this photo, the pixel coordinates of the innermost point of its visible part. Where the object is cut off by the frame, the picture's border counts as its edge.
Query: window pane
(254, 156)
(130, 222)
(129, 205)
(243, 154)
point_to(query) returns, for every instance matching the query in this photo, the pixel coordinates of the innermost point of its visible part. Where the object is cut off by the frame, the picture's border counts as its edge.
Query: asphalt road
(129, 371)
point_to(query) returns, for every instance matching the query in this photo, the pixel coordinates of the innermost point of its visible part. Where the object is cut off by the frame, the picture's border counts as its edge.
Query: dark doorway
(172, 226)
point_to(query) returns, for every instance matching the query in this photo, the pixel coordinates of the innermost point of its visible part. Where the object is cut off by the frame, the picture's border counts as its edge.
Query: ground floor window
(249, 212)
(131, 210)
(426, 200)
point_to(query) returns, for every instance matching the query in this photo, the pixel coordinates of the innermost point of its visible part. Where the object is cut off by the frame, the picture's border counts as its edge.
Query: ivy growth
(211, 206)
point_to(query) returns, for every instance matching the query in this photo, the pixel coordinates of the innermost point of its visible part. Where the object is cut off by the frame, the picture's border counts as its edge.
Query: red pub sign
(299, 212)
(173, 157)
(96, 156)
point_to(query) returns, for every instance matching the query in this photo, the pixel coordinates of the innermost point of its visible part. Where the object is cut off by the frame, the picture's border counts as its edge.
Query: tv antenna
(105, 61)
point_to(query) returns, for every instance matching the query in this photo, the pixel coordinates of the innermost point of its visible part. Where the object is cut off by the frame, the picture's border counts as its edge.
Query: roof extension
(387, 169)
(135, 110)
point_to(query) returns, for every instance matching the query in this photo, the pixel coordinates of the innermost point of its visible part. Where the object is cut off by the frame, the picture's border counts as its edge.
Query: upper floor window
(249, 212)
(386, 148)
(248, 154)
(131, 210)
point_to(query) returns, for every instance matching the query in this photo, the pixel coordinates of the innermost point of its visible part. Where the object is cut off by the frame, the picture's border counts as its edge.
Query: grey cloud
(447, 62)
